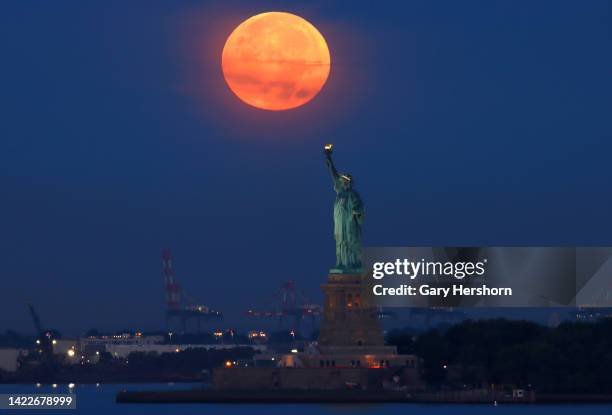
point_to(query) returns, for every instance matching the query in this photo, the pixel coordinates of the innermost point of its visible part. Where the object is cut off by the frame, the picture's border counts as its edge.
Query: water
(98, 400)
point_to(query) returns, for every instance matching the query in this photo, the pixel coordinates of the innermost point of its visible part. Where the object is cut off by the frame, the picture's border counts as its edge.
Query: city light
(254, 334)
(228, 363)
(54, 341)
(71, 352)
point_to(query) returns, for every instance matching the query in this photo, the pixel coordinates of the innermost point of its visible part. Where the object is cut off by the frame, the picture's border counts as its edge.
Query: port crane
(288, 303)
(175, 309)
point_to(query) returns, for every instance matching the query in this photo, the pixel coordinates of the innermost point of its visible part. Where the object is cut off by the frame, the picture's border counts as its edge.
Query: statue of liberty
(348, 219)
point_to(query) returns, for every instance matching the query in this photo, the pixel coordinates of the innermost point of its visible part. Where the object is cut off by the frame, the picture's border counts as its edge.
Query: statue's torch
(327, 148)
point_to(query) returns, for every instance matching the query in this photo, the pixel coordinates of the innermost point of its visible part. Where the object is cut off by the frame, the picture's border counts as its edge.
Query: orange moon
(275, 61)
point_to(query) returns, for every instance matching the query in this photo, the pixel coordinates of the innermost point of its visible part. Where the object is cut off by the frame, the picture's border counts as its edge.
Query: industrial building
(9, 358)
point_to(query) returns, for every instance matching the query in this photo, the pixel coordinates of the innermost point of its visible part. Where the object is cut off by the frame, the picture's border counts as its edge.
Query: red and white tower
(173, 290)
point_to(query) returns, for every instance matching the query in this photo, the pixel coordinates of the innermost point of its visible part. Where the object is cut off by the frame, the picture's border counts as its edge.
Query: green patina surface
(348, 221)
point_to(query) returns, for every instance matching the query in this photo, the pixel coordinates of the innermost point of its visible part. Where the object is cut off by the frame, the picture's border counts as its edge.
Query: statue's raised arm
(330, 163)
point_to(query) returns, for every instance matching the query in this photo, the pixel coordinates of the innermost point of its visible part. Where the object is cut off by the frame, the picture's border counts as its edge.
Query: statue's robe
(348, 218)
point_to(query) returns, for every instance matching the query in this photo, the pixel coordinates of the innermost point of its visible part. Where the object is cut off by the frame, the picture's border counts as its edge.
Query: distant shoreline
(91, 380)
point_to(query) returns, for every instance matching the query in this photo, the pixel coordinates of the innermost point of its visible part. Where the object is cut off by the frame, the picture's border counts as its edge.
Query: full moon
(275, 61)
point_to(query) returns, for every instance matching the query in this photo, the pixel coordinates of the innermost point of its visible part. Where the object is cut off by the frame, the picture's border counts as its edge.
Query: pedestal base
(350, 317)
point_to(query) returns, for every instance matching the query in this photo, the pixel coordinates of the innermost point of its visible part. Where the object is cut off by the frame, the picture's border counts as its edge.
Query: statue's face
(347, 183)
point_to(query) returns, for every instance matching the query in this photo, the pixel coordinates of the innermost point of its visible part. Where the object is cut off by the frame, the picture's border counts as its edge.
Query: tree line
(572, 357)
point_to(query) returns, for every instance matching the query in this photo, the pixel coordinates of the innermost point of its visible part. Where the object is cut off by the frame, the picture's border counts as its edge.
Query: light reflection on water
(100, 399)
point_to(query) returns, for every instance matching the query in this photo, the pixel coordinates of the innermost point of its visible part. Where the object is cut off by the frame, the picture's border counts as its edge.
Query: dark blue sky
(463, 123)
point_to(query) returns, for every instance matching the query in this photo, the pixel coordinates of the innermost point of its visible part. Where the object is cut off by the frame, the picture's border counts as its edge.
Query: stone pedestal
(350, 324)
(351, 350)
